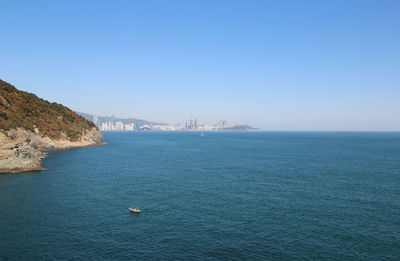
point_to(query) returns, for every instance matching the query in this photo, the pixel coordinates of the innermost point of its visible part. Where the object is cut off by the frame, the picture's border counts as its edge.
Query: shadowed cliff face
(29, 126)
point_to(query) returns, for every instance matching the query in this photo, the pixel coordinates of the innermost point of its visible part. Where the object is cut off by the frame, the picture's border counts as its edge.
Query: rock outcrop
(22, 150)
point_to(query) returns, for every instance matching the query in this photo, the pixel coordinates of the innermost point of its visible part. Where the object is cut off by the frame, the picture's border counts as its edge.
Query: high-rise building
(104, 126)
(96, 121)
(129, 127)
(222, 123)
(119, 126)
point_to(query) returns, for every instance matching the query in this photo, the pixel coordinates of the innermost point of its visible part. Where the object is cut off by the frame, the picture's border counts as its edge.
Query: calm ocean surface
(237, 196)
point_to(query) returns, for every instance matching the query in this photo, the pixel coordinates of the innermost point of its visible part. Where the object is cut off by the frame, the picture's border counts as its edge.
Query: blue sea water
(221, 196)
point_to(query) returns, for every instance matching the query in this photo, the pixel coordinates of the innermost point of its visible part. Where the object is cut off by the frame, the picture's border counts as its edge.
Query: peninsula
(30, 126)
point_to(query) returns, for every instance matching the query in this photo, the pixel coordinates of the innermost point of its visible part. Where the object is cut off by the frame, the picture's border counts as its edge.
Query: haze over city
(281, 65)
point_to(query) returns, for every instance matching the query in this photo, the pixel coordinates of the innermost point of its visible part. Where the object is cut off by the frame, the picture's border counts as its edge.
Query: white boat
(135, 210)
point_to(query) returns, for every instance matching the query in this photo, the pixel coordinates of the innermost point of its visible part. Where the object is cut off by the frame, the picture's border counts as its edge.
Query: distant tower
(96, 121)
(196, 123)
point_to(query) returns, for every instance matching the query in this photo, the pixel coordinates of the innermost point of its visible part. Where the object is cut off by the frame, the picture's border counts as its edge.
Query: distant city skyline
(274, 65)
(111, 123)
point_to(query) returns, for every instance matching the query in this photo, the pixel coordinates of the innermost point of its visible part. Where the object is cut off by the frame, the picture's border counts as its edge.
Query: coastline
(23, 151)
(19, 170)
(44, 155)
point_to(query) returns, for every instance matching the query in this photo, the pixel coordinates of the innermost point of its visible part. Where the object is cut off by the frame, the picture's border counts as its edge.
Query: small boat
(201, 134)
(135, 210)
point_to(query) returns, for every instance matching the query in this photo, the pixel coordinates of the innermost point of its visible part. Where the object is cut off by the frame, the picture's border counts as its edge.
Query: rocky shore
(22, 150)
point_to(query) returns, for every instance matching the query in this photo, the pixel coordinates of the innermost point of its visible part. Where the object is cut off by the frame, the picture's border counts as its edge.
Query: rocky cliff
(30, 126)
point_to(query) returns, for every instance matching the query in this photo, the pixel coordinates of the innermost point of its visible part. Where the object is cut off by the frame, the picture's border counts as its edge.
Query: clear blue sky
(276, 65)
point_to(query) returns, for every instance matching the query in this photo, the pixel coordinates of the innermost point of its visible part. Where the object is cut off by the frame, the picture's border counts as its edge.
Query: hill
(26, 110)
(29, 126)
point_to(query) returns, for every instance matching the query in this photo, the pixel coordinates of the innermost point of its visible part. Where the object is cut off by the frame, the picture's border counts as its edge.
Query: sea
(217, 196)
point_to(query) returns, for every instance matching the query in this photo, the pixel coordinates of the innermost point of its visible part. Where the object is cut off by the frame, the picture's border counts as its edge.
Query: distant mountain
(239, 128)
(98, 120)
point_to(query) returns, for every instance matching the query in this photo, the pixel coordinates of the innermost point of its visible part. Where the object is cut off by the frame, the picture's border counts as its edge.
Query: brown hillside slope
(26, 110)
(30, 126)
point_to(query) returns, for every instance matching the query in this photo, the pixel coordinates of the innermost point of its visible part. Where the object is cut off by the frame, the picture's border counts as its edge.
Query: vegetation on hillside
(23, 109)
